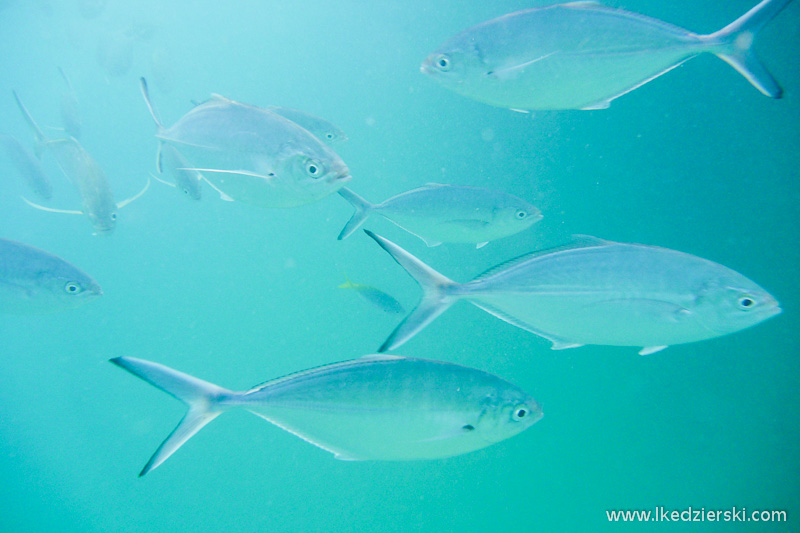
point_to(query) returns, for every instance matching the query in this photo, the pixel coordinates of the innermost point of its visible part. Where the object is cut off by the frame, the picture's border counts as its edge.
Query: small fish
(596, 292)
(322, 129)
(253, 155)
(375, 296)
(35, 281)
(171, 162)
(70, 116)
(28, 167)
(448, 213)
(85, 174)
(378, 407)
(583, 55)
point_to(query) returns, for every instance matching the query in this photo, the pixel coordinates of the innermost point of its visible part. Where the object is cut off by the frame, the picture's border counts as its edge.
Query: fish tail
(438, 294)
(363, 209)
(41, 139)
(735, 45)
(205, 402)
(146, 95)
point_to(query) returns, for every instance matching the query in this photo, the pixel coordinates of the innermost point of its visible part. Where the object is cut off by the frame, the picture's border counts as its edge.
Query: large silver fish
(596, 292)
(583, 55)
(28, 167)
(448, 213)
(322, 129)
(88, 177)
(35, 281)
(379, 407)
(254, 155)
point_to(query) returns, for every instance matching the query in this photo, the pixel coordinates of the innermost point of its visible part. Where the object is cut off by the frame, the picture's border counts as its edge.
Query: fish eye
(312, 168)
(746, 302)
(186, 191)
(521, 215)
(113, 216)
(519, 413)
(72, 287)
(329, 135)
(442, 62)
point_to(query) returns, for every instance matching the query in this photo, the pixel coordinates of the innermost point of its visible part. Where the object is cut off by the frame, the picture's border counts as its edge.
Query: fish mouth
(340, 179)
(426, 67)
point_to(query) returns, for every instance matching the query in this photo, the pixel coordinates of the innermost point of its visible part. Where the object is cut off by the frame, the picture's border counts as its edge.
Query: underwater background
(696, 161)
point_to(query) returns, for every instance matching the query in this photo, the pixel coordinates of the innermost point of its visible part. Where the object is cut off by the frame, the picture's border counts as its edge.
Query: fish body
(598, 292)
(322, 129)
(35, 281)
(375, 296)
(378, 407)
(448, 213)
(254, 155)
(28, 167)
(583, 55)
(171, 162)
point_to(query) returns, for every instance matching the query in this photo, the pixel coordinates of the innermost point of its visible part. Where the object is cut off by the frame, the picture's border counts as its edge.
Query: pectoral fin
(647, 350)
(51, 209)
(234, 173)
(138, 195)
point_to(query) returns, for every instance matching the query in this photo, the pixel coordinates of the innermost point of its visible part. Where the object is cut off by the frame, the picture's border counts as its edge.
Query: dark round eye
(186, 191)
(72, 287)
(520, 413)
(521, 215)
(113, 216)
(312, 168)
(442, 62)
(745, 302)
(329, 136)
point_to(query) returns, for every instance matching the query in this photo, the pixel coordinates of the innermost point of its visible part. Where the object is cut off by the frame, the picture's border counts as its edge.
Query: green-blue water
(696, 161)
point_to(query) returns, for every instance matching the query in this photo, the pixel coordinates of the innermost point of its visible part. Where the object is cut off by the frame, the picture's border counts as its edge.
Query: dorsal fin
(578, 241)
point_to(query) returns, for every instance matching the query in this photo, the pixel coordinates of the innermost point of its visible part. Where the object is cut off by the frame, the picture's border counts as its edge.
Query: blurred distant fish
(253, 155)
(596, 292)
(28, 167)
(85, 174)
(70, 116)
(583, 55)
(377, 408)
(35, 281)
(448, 213)
(114, 53)
(322, 129)
(375, 296)
(162, 69)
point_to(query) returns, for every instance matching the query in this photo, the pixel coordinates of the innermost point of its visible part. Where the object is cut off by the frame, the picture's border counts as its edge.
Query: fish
(86, 174)
(439, 213)
(28, 167)
(252, 154)
(375, 408)
(188, 181)
(583, 55)
(594, 291)
(375, 296)
(322, 129)
(33, 281)
(70, 116)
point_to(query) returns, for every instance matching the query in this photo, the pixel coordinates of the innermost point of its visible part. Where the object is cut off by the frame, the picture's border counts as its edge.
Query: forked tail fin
(363, 209)
(202, 398)
(735, 42)
(438, 293)
(41, 139)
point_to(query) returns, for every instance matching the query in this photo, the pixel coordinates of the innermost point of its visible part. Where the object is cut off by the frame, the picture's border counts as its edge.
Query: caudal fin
(437, 294)
(41, 139)
(202, 398)
(362, 207)
(146, 95)
(735, 43)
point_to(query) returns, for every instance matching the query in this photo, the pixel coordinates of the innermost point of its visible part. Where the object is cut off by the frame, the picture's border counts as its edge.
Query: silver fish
(35, 281)
(596, 292)
(187, 180)
(375, 296)
(85, 174)
(583, 55)
(254, 155)
(448, 213)
(70, 116)
(322, 129)
(379, 407)
(28, 167)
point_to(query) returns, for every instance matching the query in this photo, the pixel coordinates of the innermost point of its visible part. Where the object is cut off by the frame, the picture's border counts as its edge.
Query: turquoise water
(696, 161)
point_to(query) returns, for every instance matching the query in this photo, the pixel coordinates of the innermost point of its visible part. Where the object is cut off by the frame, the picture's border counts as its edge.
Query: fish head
(732, 304)
(69, 287)
(516, 216)
(103, 220)
(507, 413)
(454, 64)
(312, 174)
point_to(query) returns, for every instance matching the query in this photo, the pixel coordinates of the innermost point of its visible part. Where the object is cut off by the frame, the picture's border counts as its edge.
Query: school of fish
(578, 55)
